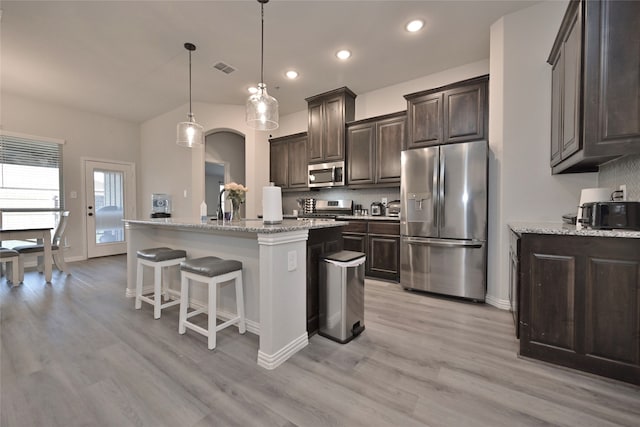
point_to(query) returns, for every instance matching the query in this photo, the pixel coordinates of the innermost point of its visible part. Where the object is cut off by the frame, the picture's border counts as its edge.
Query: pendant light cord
(190, 110)
(262, 44)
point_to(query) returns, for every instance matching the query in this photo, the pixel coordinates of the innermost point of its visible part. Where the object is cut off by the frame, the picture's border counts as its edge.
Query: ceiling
(126, 59)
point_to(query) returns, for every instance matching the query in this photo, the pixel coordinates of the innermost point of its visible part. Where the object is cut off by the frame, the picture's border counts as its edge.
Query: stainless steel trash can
(342, 295)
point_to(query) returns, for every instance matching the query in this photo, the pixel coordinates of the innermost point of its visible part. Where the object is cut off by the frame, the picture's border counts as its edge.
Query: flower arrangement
(236, 192)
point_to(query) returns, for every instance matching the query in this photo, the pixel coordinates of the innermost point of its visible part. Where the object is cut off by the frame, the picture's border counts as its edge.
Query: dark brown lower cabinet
(354, 236)
(380, 242)
(514, 279)
(355, 242)
(383, 251)
(320, 241)
(581, 303)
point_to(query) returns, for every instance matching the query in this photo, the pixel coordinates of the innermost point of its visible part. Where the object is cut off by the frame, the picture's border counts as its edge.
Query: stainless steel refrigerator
(443, 219)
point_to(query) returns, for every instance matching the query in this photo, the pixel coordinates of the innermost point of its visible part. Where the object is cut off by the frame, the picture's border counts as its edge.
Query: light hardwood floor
(75, 352)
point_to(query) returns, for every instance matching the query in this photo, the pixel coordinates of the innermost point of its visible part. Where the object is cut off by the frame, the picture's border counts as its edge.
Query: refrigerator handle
(441, 193)
(434, 191)
(444, 243)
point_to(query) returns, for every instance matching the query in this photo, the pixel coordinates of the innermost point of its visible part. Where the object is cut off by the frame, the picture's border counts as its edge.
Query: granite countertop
(243, 226)
(355, 217)
(568, 229)
(369, 218)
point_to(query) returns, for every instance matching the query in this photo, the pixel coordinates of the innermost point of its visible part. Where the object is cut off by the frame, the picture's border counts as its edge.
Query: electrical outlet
(623, 188)
(384, 201)
(292, 261)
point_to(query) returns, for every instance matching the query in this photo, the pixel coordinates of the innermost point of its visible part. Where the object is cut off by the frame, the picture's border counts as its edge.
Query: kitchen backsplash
(622, 171)
(362, 197)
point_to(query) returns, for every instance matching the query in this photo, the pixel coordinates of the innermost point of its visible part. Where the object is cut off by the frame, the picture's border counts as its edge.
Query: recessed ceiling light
(291, 74)
(415, 25)
(253, 89)
(343, 54)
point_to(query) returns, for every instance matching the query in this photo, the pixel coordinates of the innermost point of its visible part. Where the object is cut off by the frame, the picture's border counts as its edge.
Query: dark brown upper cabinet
(288, 161)
(328, 114)
(595, 89)
(448, 114)
(373, 150)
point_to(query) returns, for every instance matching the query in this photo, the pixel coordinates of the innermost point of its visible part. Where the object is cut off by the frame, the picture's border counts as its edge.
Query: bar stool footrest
(196, 312)
(194, 327)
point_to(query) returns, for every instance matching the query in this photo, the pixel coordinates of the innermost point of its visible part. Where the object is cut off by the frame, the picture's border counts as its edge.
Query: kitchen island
(274, 272)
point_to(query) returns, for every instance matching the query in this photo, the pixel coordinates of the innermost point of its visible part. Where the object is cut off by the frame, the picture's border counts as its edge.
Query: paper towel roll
(271, 204)
(588, 195)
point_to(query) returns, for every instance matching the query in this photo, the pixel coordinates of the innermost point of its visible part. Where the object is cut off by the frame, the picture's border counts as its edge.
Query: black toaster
(610, 215)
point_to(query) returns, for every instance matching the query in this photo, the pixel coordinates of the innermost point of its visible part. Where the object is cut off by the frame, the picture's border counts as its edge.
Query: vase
(235, 210)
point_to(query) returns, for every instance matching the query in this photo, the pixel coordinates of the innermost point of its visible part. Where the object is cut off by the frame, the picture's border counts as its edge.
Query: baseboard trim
(502, 304)
(272, 361)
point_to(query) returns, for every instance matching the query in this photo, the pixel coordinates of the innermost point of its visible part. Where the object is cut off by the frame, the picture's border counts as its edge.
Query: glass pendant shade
(190, 133)
(262, 110)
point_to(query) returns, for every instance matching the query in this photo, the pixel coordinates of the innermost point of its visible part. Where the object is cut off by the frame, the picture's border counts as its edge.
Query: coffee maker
(160, 205)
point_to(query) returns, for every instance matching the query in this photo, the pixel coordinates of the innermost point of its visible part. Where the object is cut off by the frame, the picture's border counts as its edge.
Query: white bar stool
(213, 271)
(157, 258)
(10, 256)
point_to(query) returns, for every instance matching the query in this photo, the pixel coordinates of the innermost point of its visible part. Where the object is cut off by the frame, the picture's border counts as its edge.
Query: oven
(326, 174)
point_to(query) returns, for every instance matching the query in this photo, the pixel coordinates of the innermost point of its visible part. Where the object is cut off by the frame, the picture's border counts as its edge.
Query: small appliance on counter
(377, 209)
(160, 205)
(611, 215)
(569, 218)
(588, 195)
(393, 208)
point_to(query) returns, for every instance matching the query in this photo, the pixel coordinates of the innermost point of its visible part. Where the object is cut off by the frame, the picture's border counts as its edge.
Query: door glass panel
(108, 187)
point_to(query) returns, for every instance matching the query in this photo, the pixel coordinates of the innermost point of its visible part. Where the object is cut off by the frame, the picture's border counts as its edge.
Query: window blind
(30, 173)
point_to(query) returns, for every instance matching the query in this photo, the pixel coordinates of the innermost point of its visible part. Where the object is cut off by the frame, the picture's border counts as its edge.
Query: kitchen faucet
(220, 207)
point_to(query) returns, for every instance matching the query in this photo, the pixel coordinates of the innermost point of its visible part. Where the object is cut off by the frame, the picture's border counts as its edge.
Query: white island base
(274, 272)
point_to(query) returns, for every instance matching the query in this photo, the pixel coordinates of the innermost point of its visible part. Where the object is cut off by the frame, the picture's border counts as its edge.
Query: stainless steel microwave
(326, 174)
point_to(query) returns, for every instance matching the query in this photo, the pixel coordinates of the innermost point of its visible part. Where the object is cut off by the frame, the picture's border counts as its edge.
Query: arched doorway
(224, 158)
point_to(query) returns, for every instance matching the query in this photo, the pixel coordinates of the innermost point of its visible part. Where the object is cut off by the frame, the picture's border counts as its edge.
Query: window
(30, 180)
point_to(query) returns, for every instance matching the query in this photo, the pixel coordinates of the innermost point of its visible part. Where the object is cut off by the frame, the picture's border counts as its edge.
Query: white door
(110, 197)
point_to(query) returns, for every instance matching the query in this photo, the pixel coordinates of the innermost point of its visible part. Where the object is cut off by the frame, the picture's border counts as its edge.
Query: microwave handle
(333, 174)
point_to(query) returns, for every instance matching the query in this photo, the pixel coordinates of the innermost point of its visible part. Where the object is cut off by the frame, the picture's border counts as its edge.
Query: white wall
(390, 99)
(169, 168)
(521, 183)
(86, 135)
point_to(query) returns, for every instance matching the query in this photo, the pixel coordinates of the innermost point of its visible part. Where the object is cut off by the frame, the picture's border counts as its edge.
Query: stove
(330, 209)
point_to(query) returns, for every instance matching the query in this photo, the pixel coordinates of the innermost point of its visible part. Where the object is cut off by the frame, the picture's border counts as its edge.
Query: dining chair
(10, 259)
(56, 249)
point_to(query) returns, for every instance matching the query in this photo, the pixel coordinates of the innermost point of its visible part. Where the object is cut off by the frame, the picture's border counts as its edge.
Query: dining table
(42, 236)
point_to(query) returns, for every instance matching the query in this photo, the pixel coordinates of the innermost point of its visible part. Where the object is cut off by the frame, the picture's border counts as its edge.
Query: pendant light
(190, 133)
(262, 109)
